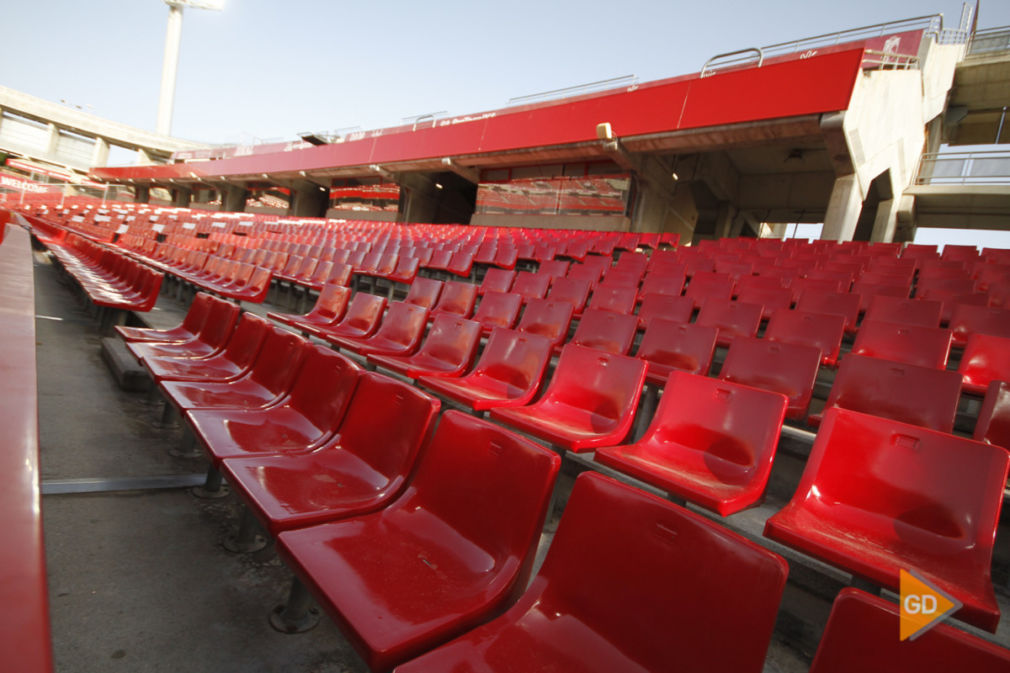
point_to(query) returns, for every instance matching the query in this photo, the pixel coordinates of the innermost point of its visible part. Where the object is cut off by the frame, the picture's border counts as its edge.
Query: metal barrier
(965, 168)
(988, 42)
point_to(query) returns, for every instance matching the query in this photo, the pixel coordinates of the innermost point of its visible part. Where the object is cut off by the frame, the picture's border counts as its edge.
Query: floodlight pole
(169, 68)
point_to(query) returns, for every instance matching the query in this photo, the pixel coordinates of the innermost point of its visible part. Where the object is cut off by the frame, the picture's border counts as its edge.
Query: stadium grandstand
(552, 387)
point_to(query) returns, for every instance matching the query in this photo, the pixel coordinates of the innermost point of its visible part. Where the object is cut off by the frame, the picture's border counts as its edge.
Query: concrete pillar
(844, 207)
(54, 140)
(886, 222)
(309, 200)
(141, 194)
(143, 158)
(233, 199)
(100, 155)
(724, 226)
(181, 197)
(657, 211)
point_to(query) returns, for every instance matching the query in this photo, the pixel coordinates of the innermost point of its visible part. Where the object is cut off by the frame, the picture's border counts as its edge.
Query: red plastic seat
(707, 285)
(619, 299)
(530, 285)
(820, 330)
(986, 358)
(835, 303)
(878, 496)
(497, 280)
(732, 318)
(787, 368)
(211, 338)
(590, 401)
(967, 319)
(194, 319)
(669, 346)
(711, 442)
(905, 311)
(770, 299)
(443, 557)
(993, 423)
(400, 333)
(457, 298)
(448, 350)
(670, 307)
(508, 372)
(302, 420)
(547, 318)
(362, 318)
(329, 308)
(860, 636)
(606, 331)
(498, 309)
(911, 344)
(269, 378)
(907, 393)
(630, 583)
(585, 272)
(555, 268)
(236, 358)
(364, 466)
(424, 292)
(572, 290)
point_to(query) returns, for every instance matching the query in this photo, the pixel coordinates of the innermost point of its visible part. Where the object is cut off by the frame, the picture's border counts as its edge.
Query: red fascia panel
(793, 88)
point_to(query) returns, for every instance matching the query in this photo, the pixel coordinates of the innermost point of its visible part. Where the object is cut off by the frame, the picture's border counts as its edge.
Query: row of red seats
(344, 425)
(25, 638)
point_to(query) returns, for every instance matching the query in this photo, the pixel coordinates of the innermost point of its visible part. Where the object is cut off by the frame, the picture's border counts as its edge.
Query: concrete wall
(595, 223)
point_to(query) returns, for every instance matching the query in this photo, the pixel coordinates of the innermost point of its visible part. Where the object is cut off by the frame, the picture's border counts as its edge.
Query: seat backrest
(332, 301)
(968, 319)
(198, 312)
(642, 555)
(386, 423)
(404, 323)
(606, 331)
(498, 308)
(555, 268)
(946, 488)
(452, 339)
(786, 368)
(572, 290)
(516, 359)
(771, 298)
(682, 346)
(844, 304)
(670, 307)
(911, 344)
(731, 318)
(489, 485)
(862, 635)
(324, 386)
(497, 280)
(619, 299)
(246, 340)
(424, 292)
(364, 312)
(219, 324)
(547, 318)
(457, 297)
(985, 358)
(707, 285)
(922, 312)
(820, 330)
(993, 424)
(605, 384)
(664, 281)
(531, 285)
(907, 393)
(340, 274)
(279, 360)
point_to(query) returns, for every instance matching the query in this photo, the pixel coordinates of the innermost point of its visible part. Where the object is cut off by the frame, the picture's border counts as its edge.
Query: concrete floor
(138, 579)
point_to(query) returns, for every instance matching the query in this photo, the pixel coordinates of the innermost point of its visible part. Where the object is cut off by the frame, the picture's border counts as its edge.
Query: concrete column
(886, 222)
(181, 197)
(309, 201)
(778, 230)
(233, 199)
(141, 194)
(657, 211)
(844, 207)
(54, 140)
(724, 226)
(143, 158)
(420, 199)
(100, 155)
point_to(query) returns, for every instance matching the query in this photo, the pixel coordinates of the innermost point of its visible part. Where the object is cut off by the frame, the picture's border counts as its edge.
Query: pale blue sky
(270, 68)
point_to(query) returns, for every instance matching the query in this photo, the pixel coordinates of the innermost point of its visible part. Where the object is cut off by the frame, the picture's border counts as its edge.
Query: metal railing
(931, 24)
(886, 60)
(965, 168)
(988, 42)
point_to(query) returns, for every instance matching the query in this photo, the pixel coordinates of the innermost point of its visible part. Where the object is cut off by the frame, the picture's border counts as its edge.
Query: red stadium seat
(835, 303)
(508, 372)
(590, 401)
(711, 442)
(443, 557)
(707, 285)
(498, 309)
(424, 292)
(905, 311)
(878, 496)
(619, 299)
(371, 458)
(732, 319)
(547, 318)
(302, 420)
(362, 318)
(860, 636)
(457, 298)
(606, 331)
(400, 333)
(911, 344)
(530, 285)
(448, 350)
(907, 393)
(786, 368)
(967, 319)
(993, 424)
(770, 299)
(571, 290)
(629, 584)
(235, 360)
(675, 308)
(985, 359)
(820, 330)
(329, 308)
(669, 346)
(198, 311)
(497, 280)
(212, 337)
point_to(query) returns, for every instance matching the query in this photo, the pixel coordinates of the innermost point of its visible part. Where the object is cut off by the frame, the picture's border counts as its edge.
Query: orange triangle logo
(923, 606)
